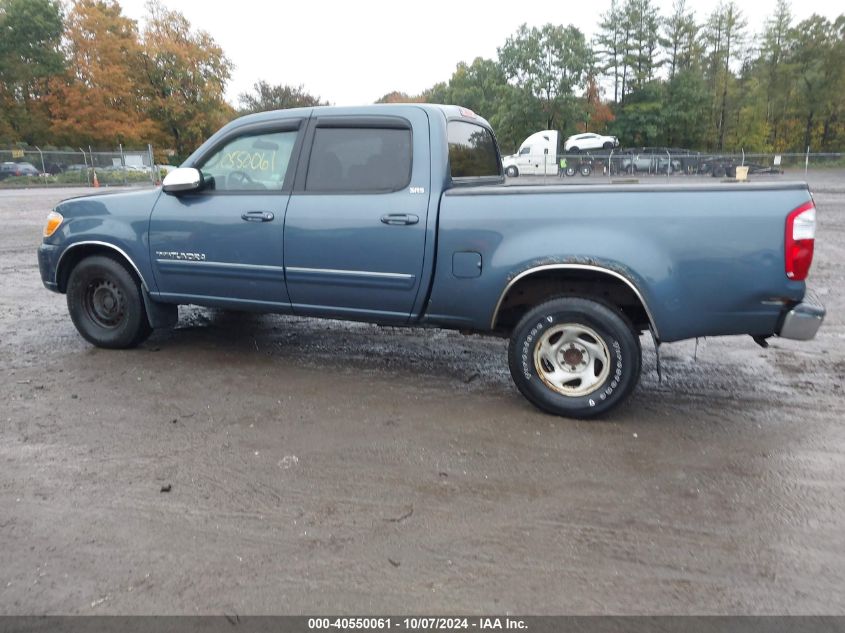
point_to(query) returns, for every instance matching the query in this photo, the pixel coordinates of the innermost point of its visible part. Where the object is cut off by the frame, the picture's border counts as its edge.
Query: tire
(719, 171)
(573, 150)
(593, 331)
(570, 171)
(586, 169)
(607, 145)
(105, 303)
(512, 172)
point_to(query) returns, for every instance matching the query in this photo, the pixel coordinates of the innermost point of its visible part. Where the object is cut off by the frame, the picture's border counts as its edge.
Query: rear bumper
(803, 320)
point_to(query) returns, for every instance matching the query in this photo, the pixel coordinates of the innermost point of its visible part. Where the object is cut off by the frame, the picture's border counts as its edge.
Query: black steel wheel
(105, 303)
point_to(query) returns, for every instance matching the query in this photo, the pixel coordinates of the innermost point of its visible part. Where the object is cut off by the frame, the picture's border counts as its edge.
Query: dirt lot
(317, 466)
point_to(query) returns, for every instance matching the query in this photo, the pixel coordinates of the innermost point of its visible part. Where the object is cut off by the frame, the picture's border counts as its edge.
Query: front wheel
(105, 304)
(512, 172)
(574, 357)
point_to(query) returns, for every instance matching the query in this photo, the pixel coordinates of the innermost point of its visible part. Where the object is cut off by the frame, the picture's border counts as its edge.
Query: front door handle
(257, 216)
(400, 218)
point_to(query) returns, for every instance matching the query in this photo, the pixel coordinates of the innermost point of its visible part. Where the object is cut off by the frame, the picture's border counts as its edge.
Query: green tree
(185, 74)
(641, 22)
(725, 35)
(817, 56)
(642, 120)
(685, 111)
(398, 96)
(609, 46)
(266, 97)
(550, 63)
(777, 73)
(680, 39)
(482, 86)
(30, 35)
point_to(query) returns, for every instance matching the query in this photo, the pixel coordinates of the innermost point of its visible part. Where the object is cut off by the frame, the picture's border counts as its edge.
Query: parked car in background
(645, 160)
(18, 169)
(580, 142)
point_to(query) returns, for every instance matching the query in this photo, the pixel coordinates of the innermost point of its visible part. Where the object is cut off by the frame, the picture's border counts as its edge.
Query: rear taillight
(799, 240)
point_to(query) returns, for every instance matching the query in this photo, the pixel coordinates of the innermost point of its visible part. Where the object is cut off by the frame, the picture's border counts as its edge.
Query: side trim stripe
(361, 273)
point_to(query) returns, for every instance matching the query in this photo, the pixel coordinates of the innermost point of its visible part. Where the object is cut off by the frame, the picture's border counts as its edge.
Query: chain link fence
(44, 167)
(672, 163)
(37, 167)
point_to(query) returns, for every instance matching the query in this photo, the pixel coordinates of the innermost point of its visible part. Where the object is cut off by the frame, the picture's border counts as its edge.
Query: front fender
(116, 222)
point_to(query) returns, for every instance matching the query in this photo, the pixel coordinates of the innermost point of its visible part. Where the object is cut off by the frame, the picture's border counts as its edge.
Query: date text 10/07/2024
(417, 624)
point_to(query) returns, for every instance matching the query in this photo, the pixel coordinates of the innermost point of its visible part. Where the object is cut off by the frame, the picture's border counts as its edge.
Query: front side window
(255, 162)
(472, 151)
(359, 159)
(525, 150)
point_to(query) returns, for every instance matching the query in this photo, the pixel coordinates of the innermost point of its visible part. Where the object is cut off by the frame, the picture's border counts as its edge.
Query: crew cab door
(224, 243)
(355, 226)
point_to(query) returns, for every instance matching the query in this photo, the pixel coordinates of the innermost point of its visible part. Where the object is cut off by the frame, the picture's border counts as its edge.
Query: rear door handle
(257, 216)
(400, 218)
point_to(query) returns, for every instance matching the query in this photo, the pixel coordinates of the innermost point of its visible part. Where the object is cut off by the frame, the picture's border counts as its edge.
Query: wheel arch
(78, 251)
(532, 286)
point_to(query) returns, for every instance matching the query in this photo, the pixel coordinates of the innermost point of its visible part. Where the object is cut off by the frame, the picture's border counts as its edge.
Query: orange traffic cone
(96, 182)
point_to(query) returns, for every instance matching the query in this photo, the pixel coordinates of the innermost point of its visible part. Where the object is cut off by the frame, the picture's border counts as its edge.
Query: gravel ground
(317, 466)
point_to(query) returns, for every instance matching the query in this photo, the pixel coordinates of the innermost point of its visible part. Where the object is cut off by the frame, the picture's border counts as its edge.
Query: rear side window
(359, 159)
(472, 151)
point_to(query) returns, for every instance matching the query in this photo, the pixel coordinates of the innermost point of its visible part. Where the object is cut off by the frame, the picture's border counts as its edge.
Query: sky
(353, 52)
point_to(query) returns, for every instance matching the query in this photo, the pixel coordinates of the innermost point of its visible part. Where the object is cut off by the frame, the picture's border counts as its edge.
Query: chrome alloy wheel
(572, 359)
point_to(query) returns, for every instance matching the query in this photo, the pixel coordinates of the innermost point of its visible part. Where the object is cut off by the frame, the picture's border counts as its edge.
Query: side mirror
(182, 180)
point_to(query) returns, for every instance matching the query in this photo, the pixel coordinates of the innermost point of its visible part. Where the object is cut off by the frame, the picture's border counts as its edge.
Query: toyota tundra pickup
(399, 214)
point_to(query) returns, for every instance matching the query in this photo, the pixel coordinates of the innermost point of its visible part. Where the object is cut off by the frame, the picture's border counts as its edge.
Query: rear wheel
(574, 357)
(105, 303)
(586, 169)
(570, 171)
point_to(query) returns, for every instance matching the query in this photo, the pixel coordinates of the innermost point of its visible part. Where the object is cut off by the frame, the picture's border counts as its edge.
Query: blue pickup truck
(399, 215)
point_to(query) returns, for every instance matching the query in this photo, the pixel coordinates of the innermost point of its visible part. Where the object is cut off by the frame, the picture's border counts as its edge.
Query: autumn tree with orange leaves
(597, 113)
(90, 77)
(99, 101)
(184, 76)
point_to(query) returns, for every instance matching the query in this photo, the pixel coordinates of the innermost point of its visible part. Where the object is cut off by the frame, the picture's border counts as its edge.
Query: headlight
(54, 221)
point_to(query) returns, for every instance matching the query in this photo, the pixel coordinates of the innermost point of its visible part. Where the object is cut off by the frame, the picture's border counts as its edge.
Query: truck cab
(537, 156)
